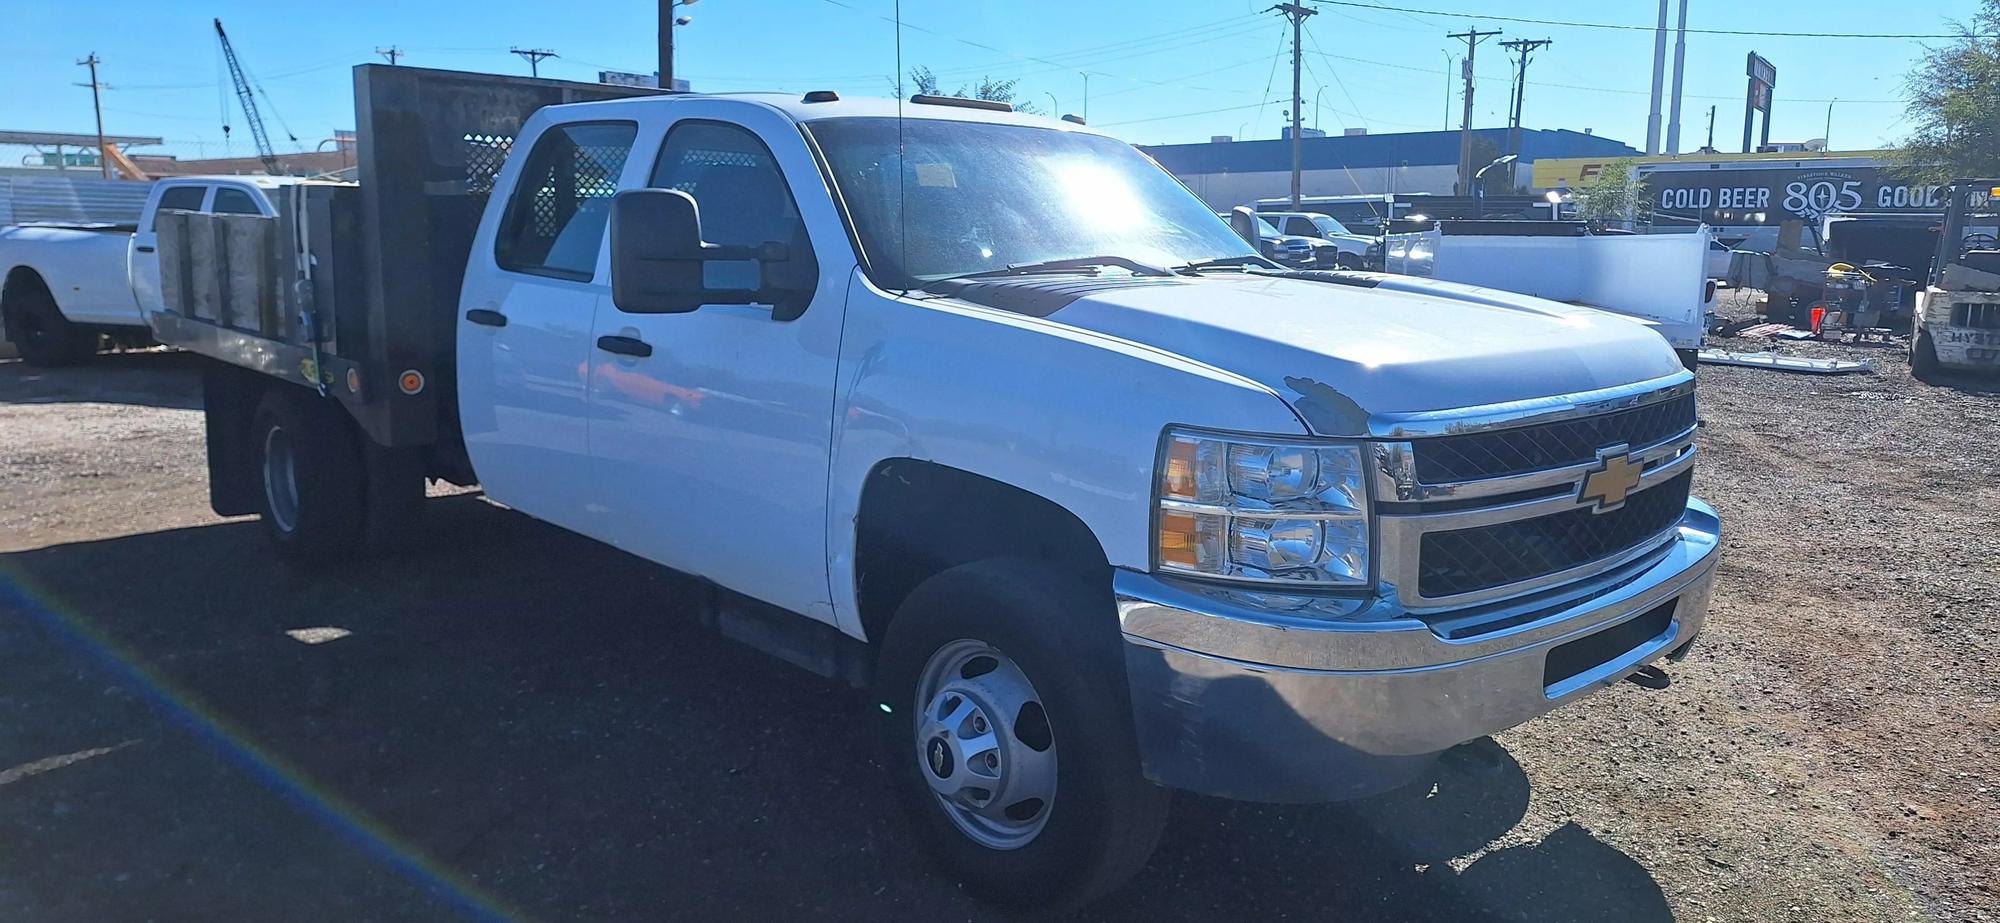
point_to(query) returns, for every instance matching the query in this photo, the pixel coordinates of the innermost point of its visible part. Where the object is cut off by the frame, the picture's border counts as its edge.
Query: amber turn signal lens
(1177, 539)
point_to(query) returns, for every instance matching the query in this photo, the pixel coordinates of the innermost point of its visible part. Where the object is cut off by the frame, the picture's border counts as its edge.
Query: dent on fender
(1326, 410)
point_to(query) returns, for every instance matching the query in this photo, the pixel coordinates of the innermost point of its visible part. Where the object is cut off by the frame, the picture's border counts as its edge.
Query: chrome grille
(1500, 453)
(1488, 503)
(1483, 557)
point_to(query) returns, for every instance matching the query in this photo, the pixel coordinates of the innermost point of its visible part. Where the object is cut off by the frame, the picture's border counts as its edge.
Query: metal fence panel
(82, 200)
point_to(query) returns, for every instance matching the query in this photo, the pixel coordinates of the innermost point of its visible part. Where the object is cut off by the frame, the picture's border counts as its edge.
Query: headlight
(1267, 510)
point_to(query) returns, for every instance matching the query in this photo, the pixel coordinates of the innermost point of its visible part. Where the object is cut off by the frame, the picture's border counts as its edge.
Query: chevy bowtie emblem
(1607, 485)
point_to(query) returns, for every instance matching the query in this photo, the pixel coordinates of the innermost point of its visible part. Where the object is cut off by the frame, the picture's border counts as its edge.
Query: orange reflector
(411, 381)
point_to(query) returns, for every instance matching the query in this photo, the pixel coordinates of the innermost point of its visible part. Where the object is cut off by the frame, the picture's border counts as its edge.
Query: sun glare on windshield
(1098, 195)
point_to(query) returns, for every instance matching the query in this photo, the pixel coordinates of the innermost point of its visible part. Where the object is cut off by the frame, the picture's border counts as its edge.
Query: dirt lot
(519, 723)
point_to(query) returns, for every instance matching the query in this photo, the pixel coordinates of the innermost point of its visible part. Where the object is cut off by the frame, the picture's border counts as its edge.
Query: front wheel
(1923, 357)
(1008, 729)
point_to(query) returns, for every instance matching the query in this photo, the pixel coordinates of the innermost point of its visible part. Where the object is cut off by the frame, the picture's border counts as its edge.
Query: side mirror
(1243, 221)
(660, 264)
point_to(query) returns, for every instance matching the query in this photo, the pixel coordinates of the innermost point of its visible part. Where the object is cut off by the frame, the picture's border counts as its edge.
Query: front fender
(1068, 415)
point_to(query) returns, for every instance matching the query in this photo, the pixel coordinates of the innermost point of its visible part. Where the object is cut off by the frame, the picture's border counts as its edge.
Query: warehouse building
(1227, 173)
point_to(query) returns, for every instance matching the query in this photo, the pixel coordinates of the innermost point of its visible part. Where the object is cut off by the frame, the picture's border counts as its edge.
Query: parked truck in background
(1660, 280)
(68, 286)
(1350, 250)
(978, 410)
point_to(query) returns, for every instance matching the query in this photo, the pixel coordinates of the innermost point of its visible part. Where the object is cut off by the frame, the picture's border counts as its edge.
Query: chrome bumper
(1237, 698)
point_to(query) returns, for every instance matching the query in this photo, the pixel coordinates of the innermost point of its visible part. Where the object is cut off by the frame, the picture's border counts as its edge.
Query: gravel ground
(520, 723)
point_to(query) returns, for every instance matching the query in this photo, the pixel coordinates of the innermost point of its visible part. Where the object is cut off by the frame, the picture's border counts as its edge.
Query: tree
(988, 88)
(1954, 95)
(1616, 195)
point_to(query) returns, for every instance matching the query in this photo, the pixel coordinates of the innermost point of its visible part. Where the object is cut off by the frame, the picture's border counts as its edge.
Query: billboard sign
(1763, 78)
(1768, 195)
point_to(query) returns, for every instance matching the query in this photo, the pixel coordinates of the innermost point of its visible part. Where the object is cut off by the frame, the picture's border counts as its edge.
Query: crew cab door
(710, 431)
(532, 284)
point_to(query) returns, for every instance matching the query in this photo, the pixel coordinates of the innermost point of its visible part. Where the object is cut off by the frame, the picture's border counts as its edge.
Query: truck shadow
(147, 378)
(510, 720)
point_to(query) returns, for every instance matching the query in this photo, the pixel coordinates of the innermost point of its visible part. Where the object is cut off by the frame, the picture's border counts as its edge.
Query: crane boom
(244, 96)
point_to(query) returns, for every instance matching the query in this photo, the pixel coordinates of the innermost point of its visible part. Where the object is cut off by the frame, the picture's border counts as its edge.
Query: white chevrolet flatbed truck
(68, 285)
(981, 411)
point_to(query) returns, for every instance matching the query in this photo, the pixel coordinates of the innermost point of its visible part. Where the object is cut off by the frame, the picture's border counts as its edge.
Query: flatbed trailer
(351, 290)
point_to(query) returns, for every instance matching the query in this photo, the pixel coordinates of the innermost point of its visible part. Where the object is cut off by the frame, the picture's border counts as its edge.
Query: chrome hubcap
(281, 483)
(984, 745)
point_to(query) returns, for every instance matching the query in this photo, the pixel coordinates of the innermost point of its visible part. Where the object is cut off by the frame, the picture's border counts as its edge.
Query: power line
(1182, 115)
(1575, 24)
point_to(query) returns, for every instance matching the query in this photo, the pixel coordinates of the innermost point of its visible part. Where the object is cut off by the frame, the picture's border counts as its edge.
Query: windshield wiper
(1078, 262)
(1246, 261)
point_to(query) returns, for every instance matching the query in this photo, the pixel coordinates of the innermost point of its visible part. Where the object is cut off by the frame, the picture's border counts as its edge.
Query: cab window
(230, 201)
(554, 222)
(736, 184)
(180, 199)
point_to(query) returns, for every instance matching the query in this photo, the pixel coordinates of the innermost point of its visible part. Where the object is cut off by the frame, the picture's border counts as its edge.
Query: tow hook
(1651, 677)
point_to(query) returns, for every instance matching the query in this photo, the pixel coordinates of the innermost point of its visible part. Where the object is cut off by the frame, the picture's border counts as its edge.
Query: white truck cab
(987, 413)
(67, 285)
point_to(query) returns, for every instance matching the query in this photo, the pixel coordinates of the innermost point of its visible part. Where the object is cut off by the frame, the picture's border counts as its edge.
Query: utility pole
(1680, 64)
(534, 58)
(1297, 14)
(1472, 39)
(97, 107)
(1086, 95)
(1709, 148)
(1522, 47)
(391, 52)
(1659, 81)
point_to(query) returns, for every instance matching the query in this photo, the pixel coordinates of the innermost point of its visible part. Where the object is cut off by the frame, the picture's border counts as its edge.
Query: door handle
(144, 248)
(486, 316)
(625, 346)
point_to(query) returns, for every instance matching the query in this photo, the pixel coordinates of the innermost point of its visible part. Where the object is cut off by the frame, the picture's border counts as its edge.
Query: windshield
(978, 197)
(1330, 226)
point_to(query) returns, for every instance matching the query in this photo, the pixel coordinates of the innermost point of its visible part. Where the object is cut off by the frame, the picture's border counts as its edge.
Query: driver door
(711, 431)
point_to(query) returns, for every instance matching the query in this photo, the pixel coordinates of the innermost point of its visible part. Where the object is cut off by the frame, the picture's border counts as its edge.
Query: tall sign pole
(1680, 64)
(1472, 39)
(1763, 79)
(1297, 14)
(1659, 79)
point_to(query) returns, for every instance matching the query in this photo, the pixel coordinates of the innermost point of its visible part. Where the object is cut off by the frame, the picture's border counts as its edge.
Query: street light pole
(1827, 136)
(667, 22)
(1055, 105)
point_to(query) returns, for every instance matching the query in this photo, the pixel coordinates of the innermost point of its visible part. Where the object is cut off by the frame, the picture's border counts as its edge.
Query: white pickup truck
(66, 285)
(984, 412)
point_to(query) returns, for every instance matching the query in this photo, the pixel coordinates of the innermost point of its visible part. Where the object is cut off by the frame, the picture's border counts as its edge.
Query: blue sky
(1161, 71)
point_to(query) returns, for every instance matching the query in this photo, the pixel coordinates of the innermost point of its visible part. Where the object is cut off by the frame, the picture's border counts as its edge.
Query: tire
(1923, 357)
(308, 476)
(39, 330)
(1690, 358)
(1348, 261)
(1102, 818)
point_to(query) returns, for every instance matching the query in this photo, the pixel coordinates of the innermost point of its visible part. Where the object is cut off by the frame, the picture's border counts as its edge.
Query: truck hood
(1339, 353)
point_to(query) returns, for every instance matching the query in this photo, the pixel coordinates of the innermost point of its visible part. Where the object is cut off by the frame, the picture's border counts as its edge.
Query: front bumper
(1234, 698)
